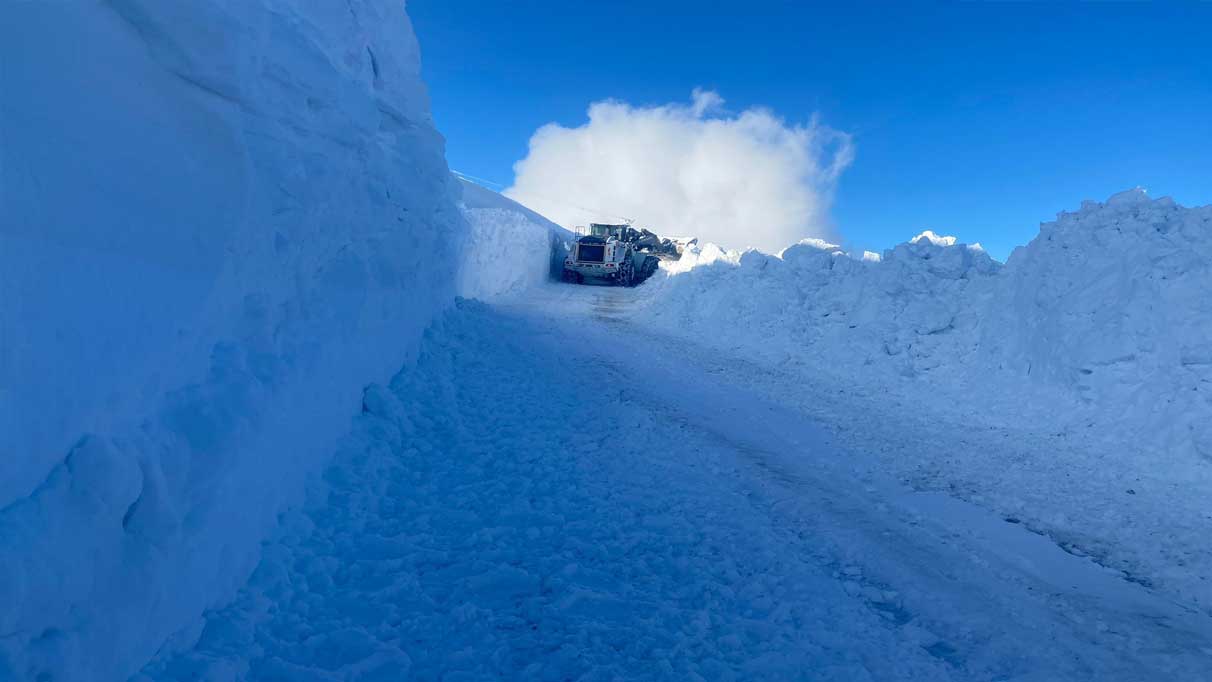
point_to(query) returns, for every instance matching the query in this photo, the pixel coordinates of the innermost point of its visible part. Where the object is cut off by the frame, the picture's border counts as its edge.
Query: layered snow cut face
(747, 179)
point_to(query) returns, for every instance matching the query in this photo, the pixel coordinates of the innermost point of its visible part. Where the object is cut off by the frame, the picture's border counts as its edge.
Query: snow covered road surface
(553, 494)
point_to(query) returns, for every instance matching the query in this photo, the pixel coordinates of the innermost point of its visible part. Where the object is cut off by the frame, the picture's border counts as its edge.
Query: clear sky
(979, 120)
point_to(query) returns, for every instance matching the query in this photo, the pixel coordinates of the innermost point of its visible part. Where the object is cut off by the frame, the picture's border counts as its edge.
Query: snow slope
(1101, 318)
(220, 221)
(223, 220)
(1111, 304)
(510, 248)
(890, 315)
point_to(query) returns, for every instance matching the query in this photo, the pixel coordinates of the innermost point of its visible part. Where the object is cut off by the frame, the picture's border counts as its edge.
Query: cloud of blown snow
(747, 179)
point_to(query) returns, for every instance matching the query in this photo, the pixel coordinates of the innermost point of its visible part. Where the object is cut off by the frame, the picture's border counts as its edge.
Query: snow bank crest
(1110, 302)
(931, 237)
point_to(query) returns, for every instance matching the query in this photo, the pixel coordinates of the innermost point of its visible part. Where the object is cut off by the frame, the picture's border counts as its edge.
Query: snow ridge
(1101, 317)
(815, 299)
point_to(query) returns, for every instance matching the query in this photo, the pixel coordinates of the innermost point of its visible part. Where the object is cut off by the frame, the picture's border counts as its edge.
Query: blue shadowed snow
(473, 527)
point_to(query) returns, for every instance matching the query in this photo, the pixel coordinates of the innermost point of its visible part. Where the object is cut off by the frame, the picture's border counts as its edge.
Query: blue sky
(978, 120)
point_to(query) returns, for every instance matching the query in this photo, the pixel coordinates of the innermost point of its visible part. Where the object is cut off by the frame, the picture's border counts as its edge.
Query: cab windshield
(593, 253)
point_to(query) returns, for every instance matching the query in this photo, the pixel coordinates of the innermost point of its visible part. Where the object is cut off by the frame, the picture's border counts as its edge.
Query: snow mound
(511, 248)
(898, 312)
(221, 220)
(1103, 318)
(1111, 303)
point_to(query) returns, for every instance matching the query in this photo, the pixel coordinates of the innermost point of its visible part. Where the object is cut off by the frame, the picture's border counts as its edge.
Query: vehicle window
(594, 253)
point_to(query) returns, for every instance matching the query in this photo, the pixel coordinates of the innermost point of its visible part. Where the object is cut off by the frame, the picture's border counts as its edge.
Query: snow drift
(1103, 318)
(511, 248)
(220, 221)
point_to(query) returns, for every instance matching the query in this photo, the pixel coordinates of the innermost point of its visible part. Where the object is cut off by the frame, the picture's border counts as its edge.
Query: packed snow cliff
(1111, 303)
(510, 248)
(1103, 319)
(221, 220)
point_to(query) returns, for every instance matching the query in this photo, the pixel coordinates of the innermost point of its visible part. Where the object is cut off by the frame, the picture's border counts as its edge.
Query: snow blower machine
(616, 254)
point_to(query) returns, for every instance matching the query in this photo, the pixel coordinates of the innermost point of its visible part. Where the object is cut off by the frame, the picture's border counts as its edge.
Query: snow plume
(509, 249)
(747, 179)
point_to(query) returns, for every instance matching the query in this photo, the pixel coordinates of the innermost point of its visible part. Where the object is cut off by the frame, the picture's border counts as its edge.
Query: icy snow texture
(1112, 302)
(1103, 317)
(220, 221)
(510, 249)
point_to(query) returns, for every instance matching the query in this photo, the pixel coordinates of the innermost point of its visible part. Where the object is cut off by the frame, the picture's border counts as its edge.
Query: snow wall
(511, 247)
(220, 220)
(1111, 303)
(1103, 318)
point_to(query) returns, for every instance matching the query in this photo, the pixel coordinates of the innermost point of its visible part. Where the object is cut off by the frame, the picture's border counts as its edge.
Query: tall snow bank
(1112, 303)
(1103, 318)
(815, 302)
(510, 247)
(220, 221)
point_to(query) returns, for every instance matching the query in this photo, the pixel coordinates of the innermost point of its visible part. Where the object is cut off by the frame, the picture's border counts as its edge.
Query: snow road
(554, 493)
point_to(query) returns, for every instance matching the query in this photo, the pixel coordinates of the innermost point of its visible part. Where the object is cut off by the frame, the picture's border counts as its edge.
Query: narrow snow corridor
(543, 497)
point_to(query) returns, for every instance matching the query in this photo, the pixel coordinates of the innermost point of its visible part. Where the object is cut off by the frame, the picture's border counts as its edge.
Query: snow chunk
(697, 255)
(931, 237)
(1129, 197)
(813, 242)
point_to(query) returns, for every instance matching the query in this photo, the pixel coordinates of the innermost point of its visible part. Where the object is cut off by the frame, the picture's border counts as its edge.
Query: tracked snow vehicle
(610, 253)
